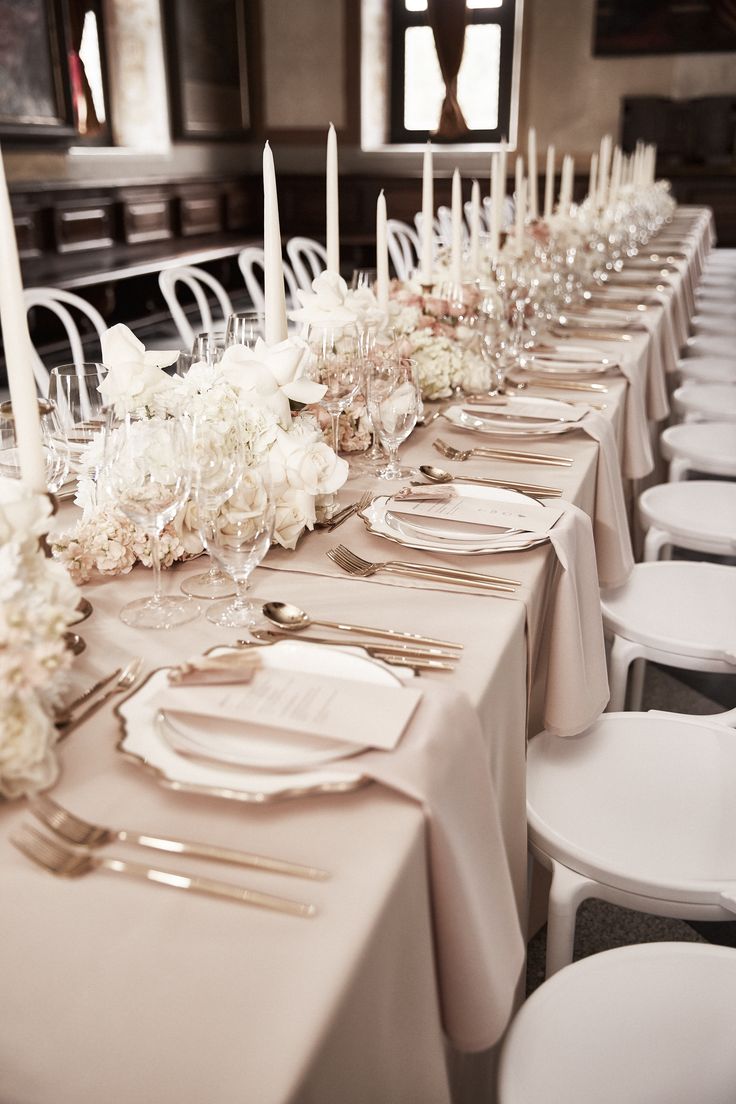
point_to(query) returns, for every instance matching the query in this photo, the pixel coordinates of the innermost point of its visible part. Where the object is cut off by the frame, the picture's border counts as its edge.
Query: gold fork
(453, 453)
(123, 682)
(68, 863)
(356, 565)
(362, 504)
(83, 834)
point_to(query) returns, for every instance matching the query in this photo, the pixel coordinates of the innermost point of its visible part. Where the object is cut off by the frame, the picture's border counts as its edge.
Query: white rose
(27, 762)
(294, 512)
(255, 382)
(21, 514)
(303, 460)
(134, 376)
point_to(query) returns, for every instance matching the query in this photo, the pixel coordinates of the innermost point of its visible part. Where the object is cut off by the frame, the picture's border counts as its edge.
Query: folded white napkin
(613, 551)
(577, 656)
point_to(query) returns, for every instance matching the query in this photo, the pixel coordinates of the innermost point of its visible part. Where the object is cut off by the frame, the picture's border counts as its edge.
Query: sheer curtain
(447, 19)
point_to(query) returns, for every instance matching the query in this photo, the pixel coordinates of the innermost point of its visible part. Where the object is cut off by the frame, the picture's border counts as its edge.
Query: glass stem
(241, 592)
(393, 458)
(156, 564)
(335, 429)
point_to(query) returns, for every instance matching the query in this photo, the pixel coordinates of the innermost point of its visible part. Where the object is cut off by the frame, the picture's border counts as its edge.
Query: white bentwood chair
(634, 812)
(678, 613)
(62, 303)
(404, 247)
(251, 262)
(707, 369)
(307, 258)
(649, 1024)
(199, 282)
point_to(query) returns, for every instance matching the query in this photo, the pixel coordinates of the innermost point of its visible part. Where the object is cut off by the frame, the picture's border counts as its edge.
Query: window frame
(506, 18)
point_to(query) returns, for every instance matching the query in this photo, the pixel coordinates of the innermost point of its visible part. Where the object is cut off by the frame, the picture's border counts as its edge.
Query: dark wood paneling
(28, 232)
(84, 226)
(147, 217)
(200, 214)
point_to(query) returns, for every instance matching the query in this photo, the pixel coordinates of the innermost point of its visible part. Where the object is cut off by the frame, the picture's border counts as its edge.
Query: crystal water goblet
(238, 539)
(244, 328)
(147, 474)
(75, 393)
(55, 451)
(394, 403)
(217, 466)
(337, 364)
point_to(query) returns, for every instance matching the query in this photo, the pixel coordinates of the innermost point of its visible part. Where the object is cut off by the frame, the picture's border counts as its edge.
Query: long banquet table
(119, 990)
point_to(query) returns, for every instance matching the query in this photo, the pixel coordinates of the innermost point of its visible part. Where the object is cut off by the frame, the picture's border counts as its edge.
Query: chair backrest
(403, 247)
(308, 258)
(198, 282)
(419, 222)
(59, 302)
(251, 263)
(485, 215)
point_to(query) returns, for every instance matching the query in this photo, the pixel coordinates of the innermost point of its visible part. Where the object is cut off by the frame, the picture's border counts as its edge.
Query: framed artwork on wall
(207, 53)
(35, 102)
(628, 27)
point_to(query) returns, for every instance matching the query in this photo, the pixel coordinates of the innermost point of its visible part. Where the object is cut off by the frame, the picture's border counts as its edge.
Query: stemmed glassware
(239, 538)
(244, 328)
(74, 391)
(208, 347)
(394, 403)
(217, 466)
(147, 473)
(337, 364)
(55, 452)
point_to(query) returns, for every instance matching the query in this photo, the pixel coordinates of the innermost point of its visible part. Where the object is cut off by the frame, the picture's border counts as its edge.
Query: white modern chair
(697, 514)
(649, 1024)
(711, 345)
(62, 303)
(708, 448)
(634, 811)
(419, 222)
(707, 369)
(199, 282)
(251, 261)
(403, 247)
(307, 258)
(706, 402)
(677, 613)
(444, 217)
(715, 324)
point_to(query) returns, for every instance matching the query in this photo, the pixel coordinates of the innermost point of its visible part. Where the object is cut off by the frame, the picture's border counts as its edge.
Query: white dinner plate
(437, 535)
(145, 737)
(497, 424)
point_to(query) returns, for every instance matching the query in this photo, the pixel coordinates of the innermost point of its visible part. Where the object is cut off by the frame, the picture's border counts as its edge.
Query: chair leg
(679, 468)
(567, 892)
(623, 653)
(656, 543)
(636, 684)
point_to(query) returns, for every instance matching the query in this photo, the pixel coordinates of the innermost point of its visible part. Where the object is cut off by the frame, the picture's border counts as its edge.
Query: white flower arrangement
(245, 402)
(436, 339)
(37, 604)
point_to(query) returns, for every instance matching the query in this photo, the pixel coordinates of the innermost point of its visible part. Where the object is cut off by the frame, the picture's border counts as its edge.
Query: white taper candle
(333, 205)
(18, 351)
(475, 228)
(549, 182)
(382, 278)
(533, 198)
(456, 255)
(273, 270)
(427, 258)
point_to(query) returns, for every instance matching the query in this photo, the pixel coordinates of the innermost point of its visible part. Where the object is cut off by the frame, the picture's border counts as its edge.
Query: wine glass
(238, 538)
(74, 390)
(338, 365)
(55, 452)
(146, 470)
(209, 347)
(244, 328)
(393, 401)
(217, 465)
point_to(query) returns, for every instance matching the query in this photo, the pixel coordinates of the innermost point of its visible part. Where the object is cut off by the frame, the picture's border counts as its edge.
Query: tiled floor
(601, 926)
